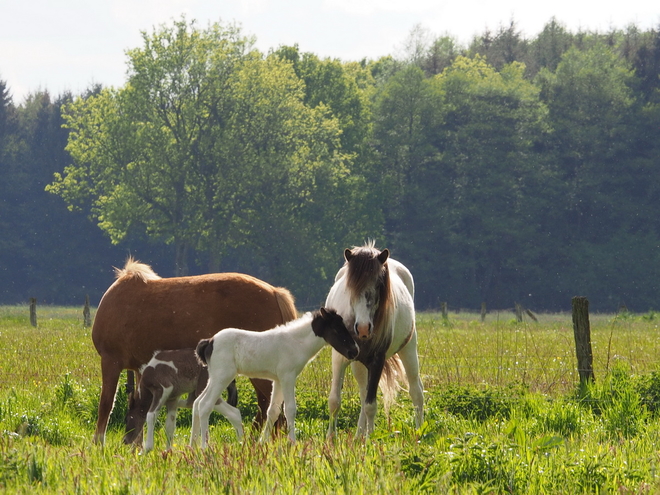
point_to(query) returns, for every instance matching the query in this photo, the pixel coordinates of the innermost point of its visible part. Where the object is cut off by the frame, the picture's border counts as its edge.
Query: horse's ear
(348, 254)
(384, 254)
(324, 313)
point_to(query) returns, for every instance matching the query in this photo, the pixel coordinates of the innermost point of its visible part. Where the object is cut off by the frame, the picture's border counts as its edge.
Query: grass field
(503, 411)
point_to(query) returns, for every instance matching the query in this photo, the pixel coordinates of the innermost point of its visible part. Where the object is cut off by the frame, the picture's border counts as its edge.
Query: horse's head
(368, 283)
(330, 326)
(136, 415)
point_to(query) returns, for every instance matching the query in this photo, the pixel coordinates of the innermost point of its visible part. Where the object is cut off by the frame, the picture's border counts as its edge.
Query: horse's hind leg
(263, 388)
(410, 361)
(233, 415)
(208, 401)
(110, 371)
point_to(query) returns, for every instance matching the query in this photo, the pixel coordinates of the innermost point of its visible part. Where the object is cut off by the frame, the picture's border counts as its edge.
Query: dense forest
(510, 170)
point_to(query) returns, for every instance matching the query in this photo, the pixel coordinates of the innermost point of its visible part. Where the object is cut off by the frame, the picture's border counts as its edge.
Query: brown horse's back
(140, 314)
(137, 317)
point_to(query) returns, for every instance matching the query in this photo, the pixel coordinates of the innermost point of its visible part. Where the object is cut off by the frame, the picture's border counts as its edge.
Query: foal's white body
(358, 313)
(279, 355)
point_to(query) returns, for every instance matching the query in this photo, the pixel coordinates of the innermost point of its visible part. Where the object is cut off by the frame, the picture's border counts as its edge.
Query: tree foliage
(212, 146)
(510, 170)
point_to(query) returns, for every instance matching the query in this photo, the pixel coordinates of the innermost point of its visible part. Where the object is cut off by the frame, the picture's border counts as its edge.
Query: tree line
(508, 170)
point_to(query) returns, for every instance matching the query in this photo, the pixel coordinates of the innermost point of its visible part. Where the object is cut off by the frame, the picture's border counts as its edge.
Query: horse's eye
(371, 300)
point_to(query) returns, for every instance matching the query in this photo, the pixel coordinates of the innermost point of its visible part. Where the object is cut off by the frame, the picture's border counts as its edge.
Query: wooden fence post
(445, 316)
(531, 315)
(519, 313)
(582, 333)
(483, 312)
(87, 319)
(33, 311)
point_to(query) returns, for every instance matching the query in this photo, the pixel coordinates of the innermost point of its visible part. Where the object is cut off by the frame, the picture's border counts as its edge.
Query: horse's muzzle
(363, 331)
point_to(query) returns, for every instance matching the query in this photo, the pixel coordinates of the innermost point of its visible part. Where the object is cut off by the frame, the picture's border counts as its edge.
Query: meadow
(504, 414)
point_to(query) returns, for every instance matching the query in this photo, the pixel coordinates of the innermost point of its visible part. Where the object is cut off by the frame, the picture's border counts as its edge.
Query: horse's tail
(133, 268)
(286, 302)
(393, 374)
(204, 350)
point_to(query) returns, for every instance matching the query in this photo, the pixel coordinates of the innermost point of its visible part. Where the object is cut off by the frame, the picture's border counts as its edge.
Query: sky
(68, 45)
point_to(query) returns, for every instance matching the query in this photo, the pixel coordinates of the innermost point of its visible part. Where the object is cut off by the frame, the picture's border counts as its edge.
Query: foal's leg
(288, 388)
(233, 415)
(209, 400)
(172, 406)
(203, 406)
(273, 411)
(159, 397)
(410, 361)
(339, 365)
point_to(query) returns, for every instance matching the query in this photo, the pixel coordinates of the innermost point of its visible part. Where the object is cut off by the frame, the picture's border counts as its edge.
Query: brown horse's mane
(133, 268)
(365, 270)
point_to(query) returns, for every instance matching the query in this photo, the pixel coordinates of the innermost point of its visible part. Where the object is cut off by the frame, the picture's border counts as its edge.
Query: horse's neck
(306, 342)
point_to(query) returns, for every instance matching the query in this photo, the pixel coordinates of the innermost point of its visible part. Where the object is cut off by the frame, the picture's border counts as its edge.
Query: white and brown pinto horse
(142, 312)
(374, 294)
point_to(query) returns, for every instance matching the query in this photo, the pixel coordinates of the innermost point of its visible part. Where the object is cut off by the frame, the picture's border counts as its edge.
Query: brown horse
(142, 312)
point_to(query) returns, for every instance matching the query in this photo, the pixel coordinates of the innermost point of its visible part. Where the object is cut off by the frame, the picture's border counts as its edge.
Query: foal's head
(136, 415)
(327, 324)
(368, 283)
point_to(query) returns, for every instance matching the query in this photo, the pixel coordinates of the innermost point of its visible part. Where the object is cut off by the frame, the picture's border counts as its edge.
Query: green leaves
(212, 146)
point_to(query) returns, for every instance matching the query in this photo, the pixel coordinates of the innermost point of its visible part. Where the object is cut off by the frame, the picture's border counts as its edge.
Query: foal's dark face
(330, 326)
(136, 415)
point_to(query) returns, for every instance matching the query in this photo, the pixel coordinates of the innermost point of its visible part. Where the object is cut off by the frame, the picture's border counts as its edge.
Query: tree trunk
(214, 259)
(181, 261)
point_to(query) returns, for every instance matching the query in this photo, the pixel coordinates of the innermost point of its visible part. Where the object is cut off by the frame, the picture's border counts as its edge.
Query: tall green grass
(503, 414)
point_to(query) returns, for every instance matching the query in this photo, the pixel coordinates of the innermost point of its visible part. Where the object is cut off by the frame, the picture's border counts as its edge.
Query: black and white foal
(279, 354)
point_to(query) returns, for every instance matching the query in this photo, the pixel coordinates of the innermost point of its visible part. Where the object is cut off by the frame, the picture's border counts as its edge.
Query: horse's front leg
(360, 373)
(369, 406)
(410, 361)
(110, 371)
(273, 411)
(290, 408)
(172, 406)
(157, 402)
(339, 365)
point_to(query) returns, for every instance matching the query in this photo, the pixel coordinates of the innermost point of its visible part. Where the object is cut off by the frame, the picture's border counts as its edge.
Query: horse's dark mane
(365, 270)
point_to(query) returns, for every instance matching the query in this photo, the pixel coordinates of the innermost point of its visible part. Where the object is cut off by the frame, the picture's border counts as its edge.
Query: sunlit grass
(503, 414)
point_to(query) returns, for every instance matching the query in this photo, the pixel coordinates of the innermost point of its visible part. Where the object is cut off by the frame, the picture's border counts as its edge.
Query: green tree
(211, 146)
(143, 153)
(548, 47)
(590, 103)
(506, 47)
(463, 178)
